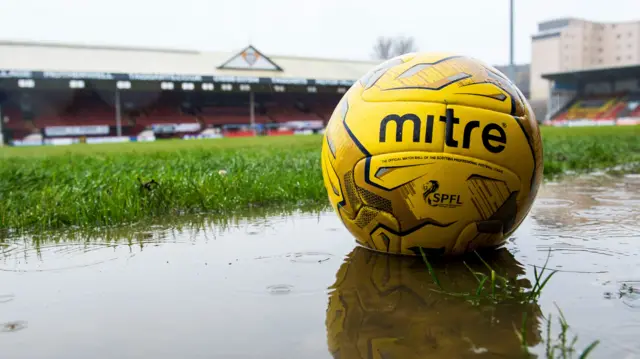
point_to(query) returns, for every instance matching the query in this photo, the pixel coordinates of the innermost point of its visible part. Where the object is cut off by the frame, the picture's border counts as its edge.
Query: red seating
(15, 123)
(594, 107)
(21, 133)
(324, 108)
(238, 133)
(65, 120)
(150, 120)
(279, 133)
(612, 113)
(225, 110)
(230, 115)
(226, 120)
(288, 112)
(141, 110)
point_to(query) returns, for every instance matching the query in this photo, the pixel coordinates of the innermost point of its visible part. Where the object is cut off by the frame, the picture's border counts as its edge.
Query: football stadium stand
(56, 93)
(53, 93)
(595, 107)
(595, 97)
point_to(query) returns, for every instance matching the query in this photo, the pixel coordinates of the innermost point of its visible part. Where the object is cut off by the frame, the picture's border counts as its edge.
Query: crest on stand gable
(250, 59)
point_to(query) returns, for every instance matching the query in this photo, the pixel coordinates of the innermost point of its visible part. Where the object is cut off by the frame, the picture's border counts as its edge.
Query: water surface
(296, 286)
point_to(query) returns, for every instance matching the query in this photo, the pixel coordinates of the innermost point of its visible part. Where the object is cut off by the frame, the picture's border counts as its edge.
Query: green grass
(586, 149)
(112, 184)
(493, 287)
(42, 188)
(561, 347)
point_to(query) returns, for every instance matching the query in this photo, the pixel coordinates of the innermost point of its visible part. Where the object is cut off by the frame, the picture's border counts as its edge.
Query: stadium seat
(594, 107)
(280, 114)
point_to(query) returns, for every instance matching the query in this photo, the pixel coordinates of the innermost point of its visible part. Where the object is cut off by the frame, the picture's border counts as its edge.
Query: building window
(618, 58)
(618, 36)
(600, 49)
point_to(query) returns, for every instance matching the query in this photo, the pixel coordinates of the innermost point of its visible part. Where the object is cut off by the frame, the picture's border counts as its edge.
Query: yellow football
(432, 151)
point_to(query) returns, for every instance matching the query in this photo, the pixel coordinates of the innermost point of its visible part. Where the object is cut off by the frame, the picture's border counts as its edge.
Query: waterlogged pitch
(163, 288)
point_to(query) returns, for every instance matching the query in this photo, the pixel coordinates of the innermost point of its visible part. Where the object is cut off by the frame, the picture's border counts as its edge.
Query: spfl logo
(433, 198)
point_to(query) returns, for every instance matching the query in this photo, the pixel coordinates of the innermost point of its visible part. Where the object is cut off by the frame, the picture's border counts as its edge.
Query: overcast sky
(321, 28)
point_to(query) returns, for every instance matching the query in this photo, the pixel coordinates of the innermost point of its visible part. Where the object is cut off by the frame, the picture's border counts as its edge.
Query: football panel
(372, 76)
(385, 127)
(531, 129)
(366, 222)
(490, 136)
(331, 181)
(433, 237)
(433, 192)
(339, 154)
(447, 80)
(478, 235)
(499, 139)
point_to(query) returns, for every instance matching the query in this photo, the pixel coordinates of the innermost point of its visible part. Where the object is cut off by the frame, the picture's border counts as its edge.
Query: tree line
(387, 47)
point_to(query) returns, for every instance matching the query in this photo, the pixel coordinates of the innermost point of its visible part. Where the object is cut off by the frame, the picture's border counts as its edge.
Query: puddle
(296, 286)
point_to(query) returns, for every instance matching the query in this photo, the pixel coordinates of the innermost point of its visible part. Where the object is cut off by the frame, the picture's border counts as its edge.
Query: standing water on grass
(296, 286)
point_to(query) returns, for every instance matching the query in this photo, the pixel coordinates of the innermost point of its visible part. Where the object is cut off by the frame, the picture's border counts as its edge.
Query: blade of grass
(589, 349)
(430, 269)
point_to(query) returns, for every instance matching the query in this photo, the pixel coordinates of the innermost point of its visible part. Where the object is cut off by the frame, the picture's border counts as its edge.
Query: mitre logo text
(494, 138)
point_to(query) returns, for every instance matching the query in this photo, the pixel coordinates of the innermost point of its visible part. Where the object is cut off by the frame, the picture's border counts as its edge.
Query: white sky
(321, 28)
